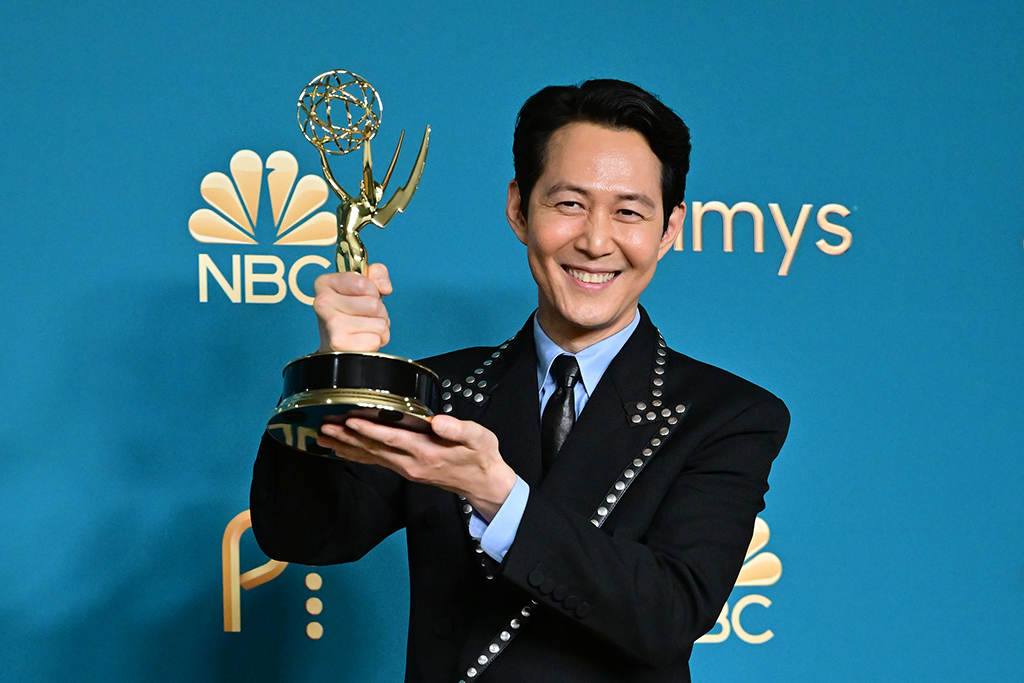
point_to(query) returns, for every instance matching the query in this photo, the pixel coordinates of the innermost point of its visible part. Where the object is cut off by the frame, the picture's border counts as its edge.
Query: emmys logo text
(232, 219)
(839, 237)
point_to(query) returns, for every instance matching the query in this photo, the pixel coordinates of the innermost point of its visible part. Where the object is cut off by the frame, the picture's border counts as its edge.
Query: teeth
(597, 278)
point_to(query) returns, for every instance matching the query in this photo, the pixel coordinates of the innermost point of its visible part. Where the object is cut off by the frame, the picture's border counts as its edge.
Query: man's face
(595, 231)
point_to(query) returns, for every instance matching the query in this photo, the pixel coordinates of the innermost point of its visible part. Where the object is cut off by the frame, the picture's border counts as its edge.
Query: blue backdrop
(131, 410)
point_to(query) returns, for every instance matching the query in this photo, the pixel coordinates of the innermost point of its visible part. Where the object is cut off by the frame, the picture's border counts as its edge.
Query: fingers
(463, 432)
(378, 274)
(351, 312)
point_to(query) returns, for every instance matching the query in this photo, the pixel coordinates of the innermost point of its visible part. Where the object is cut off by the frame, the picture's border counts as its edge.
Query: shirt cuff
(497, 537)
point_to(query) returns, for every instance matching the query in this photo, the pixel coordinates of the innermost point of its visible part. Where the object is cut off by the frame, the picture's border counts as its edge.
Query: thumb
(450, 428)
(378, 274)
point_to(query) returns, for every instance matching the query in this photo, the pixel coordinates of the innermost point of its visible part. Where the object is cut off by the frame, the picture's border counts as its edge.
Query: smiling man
(582, 508)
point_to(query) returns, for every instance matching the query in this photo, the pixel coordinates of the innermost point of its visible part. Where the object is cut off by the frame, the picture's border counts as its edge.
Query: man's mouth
(591, 278)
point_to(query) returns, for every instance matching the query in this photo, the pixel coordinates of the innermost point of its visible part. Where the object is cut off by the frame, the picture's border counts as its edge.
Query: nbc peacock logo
(759, 569)
(233, 219)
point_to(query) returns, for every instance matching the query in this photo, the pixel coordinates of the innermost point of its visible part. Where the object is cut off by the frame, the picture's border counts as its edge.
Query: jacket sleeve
(654, 595)
(315, 510)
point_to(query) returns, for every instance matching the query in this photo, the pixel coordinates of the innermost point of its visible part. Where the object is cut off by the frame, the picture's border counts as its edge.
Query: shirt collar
(593, 360)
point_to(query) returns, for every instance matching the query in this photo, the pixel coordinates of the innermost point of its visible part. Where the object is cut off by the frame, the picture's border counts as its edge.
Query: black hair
(606, 102)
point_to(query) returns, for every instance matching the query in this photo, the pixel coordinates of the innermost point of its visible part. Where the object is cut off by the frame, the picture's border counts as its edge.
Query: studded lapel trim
(652, 411)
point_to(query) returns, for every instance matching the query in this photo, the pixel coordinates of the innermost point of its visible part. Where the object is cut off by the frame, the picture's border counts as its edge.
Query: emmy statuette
(339, 112)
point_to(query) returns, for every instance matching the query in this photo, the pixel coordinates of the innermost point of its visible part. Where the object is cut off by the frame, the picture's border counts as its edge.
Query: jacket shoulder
(721, 388)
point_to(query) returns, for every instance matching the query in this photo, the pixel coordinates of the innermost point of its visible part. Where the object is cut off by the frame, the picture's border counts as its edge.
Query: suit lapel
(605, 440)
(510, 409)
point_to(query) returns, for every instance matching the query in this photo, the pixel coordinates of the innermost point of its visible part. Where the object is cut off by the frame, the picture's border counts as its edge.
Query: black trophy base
(330, 387)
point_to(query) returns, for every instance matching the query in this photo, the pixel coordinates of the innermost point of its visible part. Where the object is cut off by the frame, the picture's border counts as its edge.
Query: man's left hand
(459, 456)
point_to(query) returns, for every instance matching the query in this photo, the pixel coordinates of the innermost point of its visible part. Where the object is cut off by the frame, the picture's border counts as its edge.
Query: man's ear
(514, 211)
(675, 226)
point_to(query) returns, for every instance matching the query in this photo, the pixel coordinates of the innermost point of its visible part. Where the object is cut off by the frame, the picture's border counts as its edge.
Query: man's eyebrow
(627, 197)
(565, 187)
(640, 198)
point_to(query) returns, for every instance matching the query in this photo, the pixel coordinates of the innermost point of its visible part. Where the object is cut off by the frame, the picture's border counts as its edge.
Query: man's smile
(589, 277)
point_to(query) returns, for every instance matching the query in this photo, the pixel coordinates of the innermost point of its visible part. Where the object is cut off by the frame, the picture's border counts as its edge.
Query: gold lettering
(293, 276)
(840, 231)
(791, 240)
(727, 214)
(208, 267)
(275, 278)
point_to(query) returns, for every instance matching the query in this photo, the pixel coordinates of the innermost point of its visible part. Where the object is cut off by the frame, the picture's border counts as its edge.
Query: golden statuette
(339, 112)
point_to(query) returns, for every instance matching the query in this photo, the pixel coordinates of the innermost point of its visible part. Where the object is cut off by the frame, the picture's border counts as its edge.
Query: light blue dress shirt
(497, 537)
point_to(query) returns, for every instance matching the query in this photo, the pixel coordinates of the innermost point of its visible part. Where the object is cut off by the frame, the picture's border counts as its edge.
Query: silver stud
(505, 635)
(482, 659)
(457, 388)
(488, 362)
(482, 384)
(673, 420)
(638, 462)
(656, 392)
(602, 511)
(611, 498)
(478, 371)
(467, 392)
(619, 485)
(641, 406)
(446, 395)
(470, 380)
(514, 624)
(661, 352)
(489, 577)
(664, 431)
(656, 403)
(595, 522)
(467, 508)
(680, 408)
(495, 354)
(647, 452)
(658, 382)
(462, 498)
(447, 383)
(636, 419)
(665, 412)
(655, 442)
(447, 407)
(628, 474)
(471, 672)
(659, 371)
(493, 649)
(479, 398)
(660, 361)
(651, 415)
(525, 611)
(478, 549)
(504, 346)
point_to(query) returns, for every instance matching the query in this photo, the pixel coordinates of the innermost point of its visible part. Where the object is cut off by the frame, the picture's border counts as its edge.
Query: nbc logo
(235, 203)
(759, 569)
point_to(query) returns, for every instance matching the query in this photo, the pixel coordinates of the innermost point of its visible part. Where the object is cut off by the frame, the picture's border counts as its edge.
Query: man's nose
(596, 236)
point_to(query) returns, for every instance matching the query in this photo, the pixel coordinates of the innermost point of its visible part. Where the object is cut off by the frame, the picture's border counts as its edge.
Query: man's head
(610, 103)
(590, 202)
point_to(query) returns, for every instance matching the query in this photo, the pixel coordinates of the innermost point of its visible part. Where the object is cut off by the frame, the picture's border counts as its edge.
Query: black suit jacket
(626, 552)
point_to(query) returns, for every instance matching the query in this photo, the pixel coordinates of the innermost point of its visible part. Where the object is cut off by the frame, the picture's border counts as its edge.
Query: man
(581, 510)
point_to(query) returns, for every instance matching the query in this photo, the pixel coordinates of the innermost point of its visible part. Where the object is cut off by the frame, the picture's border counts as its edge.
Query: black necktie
(560, 412)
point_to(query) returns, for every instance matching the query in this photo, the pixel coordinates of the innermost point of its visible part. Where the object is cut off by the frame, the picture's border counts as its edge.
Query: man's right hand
(350, 310)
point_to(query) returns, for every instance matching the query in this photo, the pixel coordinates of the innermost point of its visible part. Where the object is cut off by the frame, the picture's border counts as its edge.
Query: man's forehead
(588, 156)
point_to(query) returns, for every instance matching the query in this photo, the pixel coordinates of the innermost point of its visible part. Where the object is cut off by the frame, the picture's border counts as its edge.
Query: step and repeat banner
(853, 242)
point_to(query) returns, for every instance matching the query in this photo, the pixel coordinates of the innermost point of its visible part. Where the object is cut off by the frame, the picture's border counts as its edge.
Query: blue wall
(131, 411)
